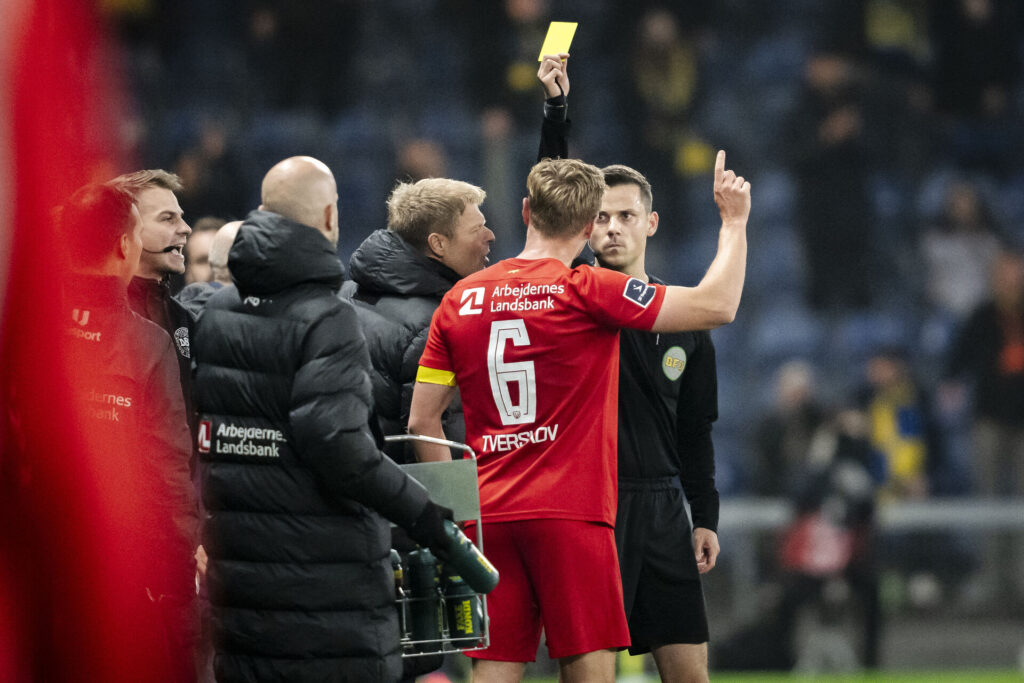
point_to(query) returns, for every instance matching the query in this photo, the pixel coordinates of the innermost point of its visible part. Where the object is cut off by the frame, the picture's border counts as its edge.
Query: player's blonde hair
(430, 205)
(565, 195)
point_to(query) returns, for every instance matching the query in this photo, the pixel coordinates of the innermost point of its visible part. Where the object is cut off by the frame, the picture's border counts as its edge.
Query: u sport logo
(81, 319)
(674, 362)
(639, 292)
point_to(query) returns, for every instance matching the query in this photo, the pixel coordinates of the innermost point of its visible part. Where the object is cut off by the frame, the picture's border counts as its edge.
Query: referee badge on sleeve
(639, 292)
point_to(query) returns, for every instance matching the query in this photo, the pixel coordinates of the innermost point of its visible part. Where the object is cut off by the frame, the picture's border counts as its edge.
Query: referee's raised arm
(714, 301)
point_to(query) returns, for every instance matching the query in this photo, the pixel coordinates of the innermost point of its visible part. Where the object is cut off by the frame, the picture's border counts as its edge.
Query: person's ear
(526, 211)
(328, 218)
(124, 246)
(588, 229)
(652, 223)
(437, 243)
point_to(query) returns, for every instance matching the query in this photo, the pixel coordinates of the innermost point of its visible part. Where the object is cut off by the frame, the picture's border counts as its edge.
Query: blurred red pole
(61, 614)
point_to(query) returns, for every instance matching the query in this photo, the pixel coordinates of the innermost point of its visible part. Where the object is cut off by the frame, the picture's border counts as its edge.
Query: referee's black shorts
(660, 584)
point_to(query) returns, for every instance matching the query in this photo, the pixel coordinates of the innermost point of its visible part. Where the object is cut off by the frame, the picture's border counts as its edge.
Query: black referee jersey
(668, 399)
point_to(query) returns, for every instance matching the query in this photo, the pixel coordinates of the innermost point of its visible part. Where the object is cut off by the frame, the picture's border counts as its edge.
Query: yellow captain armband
(432, 376)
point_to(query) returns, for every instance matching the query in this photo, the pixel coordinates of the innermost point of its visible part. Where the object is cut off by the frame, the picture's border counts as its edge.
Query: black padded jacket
(299, 576)
(396, 290)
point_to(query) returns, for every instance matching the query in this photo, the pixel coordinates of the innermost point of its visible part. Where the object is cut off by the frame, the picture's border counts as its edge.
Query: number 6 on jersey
(502, 374)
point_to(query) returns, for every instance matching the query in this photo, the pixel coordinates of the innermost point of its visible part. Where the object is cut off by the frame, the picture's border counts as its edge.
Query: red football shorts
(559, 574)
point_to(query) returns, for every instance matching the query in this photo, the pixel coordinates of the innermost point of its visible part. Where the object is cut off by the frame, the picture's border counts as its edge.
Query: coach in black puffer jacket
(299, 576)
(396, 291)
(436, 235)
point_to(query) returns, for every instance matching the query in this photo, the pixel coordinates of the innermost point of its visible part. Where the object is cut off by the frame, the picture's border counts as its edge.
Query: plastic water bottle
(467, 561)
(463, 612)
(425, 601)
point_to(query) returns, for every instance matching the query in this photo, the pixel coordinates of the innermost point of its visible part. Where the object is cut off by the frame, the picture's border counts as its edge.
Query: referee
(668, 398)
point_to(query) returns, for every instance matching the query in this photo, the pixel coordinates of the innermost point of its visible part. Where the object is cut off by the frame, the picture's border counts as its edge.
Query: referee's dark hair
(618, 174)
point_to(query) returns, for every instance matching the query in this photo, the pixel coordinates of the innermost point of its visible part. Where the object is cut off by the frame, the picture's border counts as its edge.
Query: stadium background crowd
(882, 137)
(921, 105)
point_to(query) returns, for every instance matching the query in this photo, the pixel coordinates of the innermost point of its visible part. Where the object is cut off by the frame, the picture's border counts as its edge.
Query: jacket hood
(272, 253)
(386, 264)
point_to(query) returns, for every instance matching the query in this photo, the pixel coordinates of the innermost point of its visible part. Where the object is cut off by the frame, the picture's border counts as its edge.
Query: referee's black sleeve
(696, 410)
(554, 132)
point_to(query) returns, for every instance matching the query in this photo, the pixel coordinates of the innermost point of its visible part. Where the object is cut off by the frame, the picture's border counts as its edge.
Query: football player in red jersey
(533, 346)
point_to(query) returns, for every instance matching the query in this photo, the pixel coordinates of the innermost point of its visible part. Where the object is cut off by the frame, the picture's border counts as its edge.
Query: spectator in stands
(831, 160)
(505, 43)
(901, 428)
(824, 562)
(975, 74)
(976, 64)
(784, 436)
(828, 552)
(300, 54)
(899, 425)
(897, 46)
(958, 251)
(989, 353)
(420, 158)
(197, 249)
(665, 76)
(212, 181)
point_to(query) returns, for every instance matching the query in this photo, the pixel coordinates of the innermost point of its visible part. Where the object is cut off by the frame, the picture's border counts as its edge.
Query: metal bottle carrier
(454, 485)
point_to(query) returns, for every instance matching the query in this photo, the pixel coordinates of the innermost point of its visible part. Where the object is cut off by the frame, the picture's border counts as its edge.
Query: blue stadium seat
(858, 335)
(784, 331)
(775, 264)
(776, 196)
(452, 124)
(360, 130)
(777, 59)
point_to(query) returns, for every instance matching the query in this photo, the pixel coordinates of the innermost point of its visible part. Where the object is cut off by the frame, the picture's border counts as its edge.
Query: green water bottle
(396, 568)
(425, 620)
(466, 560)
(463, 612)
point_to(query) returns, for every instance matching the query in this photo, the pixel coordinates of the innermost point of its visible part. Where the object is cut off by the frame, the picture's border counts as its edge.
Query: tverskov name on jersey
(506, 442)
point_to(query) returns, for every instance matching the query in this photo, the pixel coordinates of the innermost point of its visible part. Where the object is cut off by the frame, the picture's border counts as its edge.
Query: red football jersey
(535, 351)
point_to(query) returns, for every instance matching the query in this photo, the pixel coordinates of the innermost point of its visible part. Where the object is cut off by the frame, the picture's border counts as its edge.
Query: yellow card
(559, 38)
